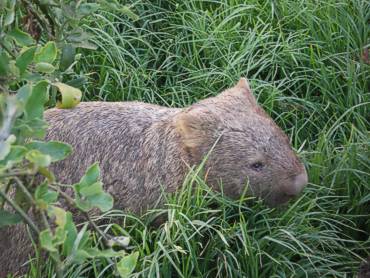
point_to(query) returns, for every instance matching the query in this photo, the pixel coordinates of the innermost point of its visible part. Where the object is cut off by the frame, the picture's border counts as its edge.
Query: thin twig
(11, 175)
(20, 212)
(105, 236)
(69, 199)
(24, 189)
(15, 174)
(85, 214)
(54, 255)
(7, 187)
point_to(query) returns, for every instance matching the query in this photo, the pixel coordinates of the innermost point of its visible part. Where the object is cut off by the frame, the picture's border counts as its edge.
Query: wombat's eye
(257, 166)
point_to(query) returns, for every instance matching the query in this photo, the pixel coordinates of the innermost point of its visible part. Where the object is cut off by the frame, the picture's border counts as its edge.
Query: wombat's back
(126, 139)
(103, 119)
(100, 130)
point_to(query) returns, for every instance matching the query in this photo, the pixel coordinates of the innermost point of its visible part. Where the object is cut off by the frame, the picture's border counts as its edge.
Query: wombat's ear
(194, 126)
(244, 84)
(245, 89)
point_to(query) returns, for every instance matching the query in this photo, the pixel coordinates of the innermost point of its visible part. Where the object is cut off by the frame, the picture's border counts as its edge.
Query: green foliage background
(308, 64)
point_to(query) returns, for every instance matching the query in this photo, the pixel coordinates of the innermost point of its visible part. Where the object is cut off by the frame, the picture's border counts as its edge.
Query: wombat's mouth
(286, 191)
(274, 199)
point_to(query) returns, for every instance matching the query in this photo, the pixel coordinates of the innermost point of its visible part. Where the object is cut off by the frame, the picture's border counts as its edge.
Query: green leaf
(70, 96)
(79, 36)
(103, 201)
(91, 176)
(7, 218)
(95, 188)
(38, 158)
(127, 264)
(35, 128)
(77, 82)
(117, 7)
(33, 76)
(89, 253)
(44, 67)
(85, 44)
(83, 204)
(69, 11)
(35, 104)
(60, 236)
(46, 241)
(60, 216)
(31, 124)
(122, 241)
(106, 253)
(44, 196)
(129, 13)
(56, 150)
(33, 98)
(20, 37)
(4, 63)
(47, 174)
(88, 8)
(81, 256)
(47, 53)
(67, 57)
(14, 156)
(90, 191)
(13, 69)
(9, 18)
(71, 230)
(25, 58)
(81, 241)
(24, 93)
(4, 148)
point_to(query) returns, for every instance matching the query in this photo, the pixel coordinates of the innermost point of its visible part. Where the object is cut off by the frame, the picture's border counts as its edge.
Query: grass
(307, 65)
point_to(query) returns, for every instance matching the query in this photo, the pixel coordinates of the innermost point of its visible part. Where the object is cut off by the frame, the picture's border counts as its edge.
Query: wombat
(142, 148)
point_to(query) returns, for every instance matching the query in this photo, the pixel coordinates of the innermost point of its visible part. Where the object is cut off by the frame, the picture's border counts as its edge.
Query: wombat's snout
(290, 189)
(299, 182)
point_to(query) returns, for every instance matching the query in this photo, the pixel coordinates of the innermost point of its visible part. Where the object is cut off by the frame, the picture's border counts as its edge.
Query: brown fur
(141, 147)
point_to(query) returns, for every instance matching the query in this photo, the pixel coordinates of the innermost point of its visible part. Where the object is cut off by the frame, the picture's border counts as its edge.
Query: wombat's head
(249, 149)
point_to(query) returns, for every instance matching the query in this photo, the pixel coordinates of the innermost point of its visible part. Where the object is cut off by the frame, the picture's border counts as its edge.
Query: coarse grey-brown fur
(128, 139)
(142, 147)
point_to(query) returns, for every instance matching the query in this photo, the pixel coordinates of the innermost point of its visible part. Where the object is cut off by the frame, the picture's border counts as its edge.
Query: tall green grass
(306, 64)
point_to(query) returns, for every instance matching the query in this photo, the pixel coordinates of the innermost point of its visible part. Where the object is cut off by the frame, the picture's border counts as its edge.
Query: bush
(39, 40)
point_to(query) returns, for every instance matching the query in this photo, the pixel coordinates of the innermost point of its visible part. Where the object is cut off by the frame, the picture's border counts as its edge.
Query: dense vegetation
(309, 65)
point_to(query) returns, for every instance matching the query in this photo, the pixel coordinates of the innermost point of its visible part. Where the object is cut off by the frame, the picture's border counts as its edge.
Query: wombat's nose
(299, 183)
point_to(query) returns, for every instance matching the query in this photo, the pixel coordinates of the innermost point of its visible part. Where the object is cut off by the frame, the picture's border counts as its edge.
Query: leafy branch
(35, 59)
